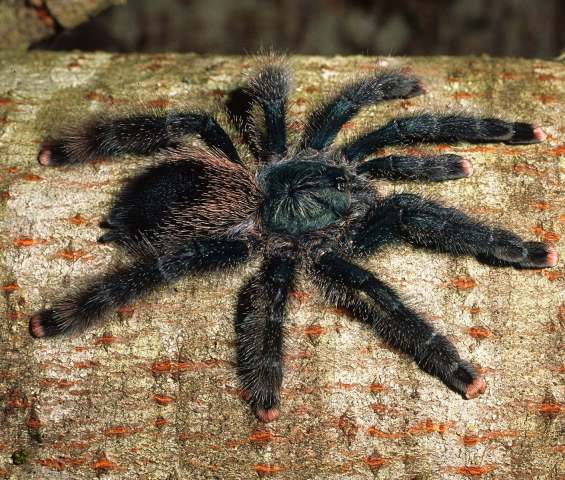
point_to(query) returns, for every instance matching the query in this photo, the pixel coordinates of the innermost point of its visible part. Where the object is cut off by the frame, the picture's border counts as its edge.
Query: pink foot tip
(552, 257)
(44, 157)
(539, 134)
(476, 388)
(35, 327)
(467, 167)
(269, 415)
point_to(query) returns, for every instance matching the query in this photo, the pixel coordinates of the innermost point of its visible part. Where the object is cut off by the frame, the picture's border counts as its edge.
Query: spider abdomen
(303, 196)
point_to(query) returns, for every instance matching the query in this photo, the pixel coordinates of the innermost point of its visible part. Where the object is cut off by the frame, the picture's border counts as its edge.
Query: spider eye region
(304, 196)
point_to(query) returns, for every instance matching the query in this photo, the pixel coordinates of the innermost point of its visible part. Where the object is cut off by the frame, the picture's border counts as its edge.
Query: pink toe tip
(44, 157)
(467, 167)
(539, 134)
(476, 388)
(269, 415)
(35, 327)
(552, 257)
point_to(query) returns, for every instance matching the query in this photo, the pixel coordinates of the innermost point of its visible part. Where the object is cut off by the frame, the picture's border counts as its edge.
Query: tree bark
(153, 393)
(24, 22)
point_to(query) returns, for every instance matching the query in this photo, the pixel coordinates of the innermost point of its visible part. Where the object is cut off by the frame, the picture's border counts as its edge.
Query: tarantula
(310, 207)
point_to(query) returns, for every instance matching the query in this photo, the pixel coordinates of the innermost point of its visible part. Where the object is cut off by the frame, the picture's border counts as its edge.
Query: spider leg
(399, 325)
(83, 308)
(434, 168)
(432, 128)
(428, 224)
(269, 89)
(326, 121)
(137, 134)
(259, 328)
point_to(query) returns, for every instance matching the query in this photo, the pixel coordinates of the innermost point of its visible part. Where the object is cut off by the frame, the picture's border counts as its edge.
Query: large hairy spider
(310, 207)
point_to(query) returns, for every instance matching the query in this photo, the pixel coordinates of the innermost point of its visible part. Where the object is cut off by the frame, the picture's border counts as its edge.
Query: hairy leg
(441, 128)
(138, 134)
(326, 121)
(269, 89)
(259, 328)
(399, 325)
(428, 224)
(434, 168)
(80, 310)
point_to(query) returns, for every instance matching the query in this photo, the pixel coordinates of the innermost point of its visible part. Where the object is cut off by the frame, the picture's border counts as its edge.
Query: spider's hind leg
(85, 307)
(399, 325)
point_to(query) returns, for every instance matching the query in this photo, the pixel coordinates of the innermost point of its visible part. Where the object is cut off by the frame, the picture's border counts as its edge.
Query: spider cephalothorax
(309, 207)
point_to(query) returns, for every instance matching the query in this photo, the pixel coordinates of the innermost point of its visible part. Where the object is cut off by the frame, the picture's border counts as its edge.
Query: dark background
(527, 28)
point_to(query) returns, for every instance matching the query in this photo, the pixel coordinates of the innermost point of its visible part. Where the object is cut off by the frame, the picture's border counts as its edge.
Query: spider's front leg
(80, 310)
(138, 135)
(326, 121)
(399, 325)
(259, 328)
(269, 89)
(431, 128)
(428, 224)
(432, 168)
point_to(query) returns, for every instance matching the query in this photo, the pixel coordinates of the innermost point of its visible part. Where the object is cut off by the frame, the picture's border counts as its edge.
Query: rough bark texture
(152, 394)
(23, 22)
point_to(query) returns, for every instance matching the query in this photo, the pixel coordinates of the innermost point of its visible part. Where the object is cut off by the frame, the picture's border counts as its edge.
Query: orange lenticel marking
(314, 331)
(119, 431)
(10, 287)
(104, 464)
(300, 295)
(429, 426)
(462, 95)
(463, 283)
(375, 462)
(105, 340)
(547, 98)
(31, 177)
(263, 469)
(77, 219)
(73, 255)
(126, 310)
(28, 242)
(163, 399)
(546, 235)
(552, 275)
(261, 436)
(479, 332)
(473, 470)
(527, 170)
(548, 408)
(377, 388)
(160, 422)
(541, 205)
(52, 464)
(33, 423)
(474, 439)
(558, 151)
